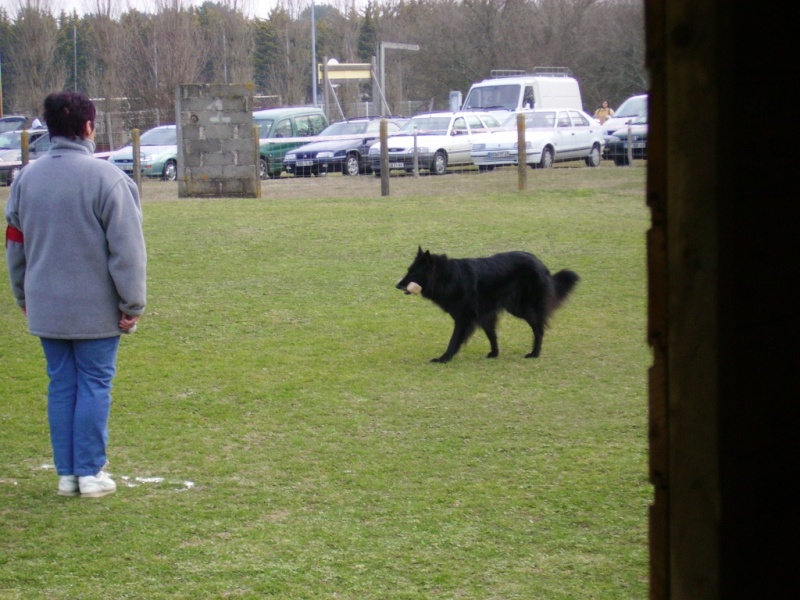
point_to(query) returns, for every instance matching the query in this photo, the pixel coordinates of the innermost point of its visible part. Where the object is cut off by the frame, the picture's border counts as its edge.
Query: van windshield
(493, 97)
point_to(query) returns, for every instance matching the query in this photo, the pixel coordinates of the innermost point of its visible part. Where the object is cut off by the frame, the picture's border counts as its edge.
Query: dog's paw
(492, 355)
(441, 359)
(531, 355)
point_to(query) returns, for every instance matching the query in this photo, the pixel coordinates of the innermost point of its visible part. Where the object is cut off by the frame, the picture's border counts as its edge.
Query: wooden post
(137, 158)
(384, 157)
(416, 154)
(24, 141)
(258, 161)
(630, 146)
(522, 154)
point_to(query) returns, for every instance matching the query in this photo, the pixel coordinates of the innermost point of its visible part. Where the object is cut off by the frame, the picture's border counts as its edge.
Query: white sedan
(551, 136)
(441, 139)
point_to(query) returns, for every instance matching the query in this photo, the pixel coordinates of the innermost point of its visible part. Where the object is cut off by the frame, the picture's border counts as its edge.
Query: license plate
(304, 163)
(396, 165)
(638, 145)
(500, 154)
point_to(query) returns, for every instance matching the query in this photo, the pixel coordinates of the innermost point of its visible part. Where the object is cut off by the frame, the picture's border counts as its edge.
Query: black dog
(475, 290)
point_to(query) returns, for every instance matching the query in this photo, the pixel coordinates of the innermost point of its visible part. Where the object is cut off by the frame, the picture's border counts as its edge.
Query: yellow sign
(345, 72)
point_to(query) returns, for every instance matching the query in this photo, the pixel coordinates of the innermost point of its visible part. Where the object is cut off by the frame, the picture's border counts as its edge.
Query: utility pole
(314, 58)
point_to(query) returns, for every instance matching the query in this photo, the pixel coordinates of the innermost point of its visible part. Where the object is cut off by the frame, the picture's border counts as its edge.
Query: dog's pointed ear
(419, 250)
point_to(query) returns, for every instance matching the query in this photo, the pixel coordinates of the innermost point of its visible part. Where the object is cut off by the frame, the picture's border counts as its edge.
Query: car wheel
(547, 158)
(376, 172)
(621, 161)
(593, 160)
(263, 167)
(170, 172)
(351, 165)
(485, 168)
(439, 164)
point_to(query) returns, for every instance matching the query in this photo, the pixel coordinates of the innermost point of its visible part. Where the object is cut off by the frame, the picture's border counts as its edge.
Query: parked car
(633, 134)
(346, 152)
(158, 154)
(12, 123)
(627, 112)
(551, 136)
(284, 129)
(11, 151)
(442, 139)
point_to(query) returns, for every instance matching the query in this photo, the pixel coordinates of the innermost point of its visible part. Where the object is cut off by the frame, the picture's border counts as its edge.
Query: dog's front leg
(461, 332)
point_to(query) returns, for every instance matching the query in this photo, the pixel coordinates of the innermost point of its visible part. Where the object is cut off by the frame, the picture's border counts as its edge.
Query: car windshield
(632, 107)
(10, 124)
(493, 97)
(345, 128)
(264, 125)
(426, 124)
(537, 120)
(159, 137)
(10, 141)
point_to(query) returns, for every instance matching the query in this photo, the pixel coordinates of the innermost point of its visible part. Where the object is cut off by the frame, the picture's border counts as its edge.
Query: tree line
(134, 59)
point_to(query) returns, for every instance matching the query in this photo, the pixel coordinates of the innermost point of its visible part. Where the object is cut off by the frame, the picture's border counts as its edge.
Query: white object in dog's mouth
(414, 288)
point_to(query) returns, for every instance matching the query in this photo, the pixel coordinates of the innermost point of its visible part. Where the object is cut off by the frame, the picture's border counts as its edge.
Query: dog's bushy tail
(564, 281)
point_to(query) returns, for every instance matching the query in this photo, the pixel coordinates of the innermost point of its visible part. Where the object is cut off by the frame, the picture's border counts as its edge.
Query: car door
(460, 144)
(583, 134)
(565, 142)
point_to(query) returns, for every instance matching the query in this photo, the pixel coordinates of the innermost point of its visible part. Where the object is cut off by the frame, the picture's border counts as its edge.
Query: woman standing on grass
(76, 258)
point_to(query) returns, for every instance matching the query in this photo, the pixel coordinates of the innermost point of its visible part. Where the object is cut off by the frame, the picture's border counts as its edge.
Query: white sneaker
(68, 485)
(96, 486)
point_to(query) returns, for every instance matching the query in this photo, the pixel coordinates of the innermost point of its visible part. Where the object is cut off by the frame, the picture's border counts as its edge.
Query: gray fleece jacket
(81, 260)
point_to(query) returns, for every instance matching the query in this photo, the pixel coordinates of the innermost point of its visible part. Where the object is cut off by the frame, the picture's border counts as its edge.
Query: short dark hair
(66, 114)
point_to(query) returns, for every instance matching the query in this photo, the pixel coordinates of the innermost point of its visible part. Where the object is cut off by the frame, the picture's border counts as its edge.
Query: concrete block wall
(217, 145)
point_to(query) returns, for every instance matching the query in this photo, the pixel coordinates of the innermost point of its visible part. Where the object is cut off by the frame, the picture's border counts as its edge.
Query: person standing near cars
(604, 112)
(77, 262)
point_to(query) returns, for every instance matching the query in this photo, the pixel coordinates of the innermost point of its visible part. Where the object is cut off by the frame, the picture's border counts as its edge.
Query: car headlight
(479, 147)
(420, 150)
(325, 154)
(290, 156)
(374, 150)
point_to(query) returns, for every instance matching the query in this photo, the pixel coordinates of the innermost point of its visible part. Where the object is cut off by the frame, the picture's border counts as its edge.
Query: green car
(284, 129)
(158, 149)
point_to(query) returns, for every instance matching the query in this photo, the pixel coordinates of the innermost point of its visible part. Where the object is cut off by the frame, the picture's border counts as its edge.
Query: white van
(510, 91)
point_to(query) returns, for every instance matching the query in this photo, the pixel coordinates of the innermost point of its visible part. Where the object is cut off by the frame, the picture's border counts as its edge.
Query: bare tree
(33, 56)
(162, 51)
(230, 41)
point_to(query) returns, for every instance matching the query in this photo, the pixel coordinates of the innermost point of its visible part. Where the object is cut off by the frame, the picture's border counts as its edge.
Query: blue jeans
(79, 401)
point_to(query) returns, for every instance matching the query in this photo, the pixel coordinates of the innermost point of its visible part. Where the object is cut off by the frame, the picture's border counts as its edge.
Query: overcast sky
(258, 8)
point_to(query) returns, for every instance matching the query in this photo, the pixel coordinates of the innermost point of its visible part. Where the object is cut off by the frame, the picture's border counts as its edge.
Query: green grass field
(277, 430)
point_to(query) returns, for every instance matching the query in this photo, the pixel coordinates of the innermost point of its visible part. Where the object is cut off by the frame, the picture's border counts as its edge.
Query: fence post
(630, 146)
(24, 140)
(258, 161)
(384, 157)
(137, 159)
(416, 153)
(522, 154)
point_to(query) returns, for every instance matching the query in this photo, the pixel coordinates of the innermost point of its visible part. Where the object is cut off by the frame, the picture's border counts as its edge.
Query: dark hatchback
(345, 152)
(628, 142)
